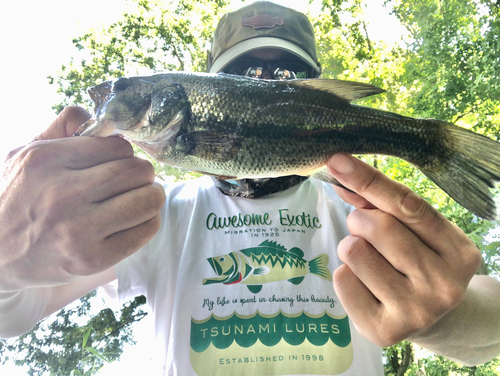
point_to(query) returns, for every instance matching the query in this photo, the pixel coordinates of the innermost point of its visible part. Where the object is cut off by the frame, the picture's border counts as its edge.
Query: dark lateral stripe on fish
(279, 128)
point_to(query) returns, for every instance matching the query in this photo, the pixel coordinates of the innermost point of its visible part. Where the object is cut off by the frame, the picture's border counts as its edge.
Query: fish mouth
(215, 266)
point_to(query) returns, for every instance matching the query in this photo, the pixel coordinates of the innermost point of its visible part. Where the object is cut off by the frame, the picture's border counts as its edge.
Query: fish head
(120, 105)
(149, 112)
(125, 102)
(224, 265)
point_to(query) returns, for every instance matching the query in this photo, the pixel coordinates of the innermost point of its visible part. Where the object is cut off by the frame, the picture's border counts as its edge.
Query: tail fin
(318, 266)
(473, 168)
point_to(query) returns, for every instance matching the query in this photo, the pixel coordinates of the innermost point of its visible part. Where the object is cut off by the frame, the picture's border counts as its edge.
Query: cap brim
(256, 43)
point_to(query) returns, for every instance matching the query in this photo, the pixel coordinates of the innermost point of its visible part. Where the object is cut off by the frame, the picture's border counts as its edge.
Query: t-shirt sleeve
(131, 276)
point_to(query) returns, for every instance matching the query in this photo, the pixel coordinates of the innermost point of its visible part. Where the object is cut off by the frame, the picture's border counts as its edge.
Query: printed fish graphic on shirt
(268, 262)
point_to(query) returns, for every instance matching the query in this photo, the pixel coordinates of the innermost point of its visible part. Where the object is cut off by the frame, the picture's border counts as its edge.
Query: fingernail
(341, 163)
(158, 185)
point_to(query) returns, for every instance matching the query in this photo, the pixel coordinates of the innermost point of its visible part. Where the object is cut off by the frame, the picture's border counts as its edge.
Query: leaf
(86, 337)
(97, 354)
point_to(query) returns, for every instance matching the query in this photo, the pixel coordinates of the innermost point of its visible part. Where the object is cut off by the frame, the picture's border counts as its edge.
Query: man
(75, 212)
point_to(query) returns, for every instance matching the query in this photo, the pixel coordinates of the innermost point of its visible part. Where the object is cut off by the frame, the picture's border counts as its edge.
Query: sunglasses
(278, 74)
(285, 70)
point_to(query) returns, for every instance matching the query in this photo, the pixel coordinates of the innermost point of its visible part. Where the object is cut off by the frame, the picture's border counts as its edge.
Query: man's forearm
(20, 311)
(469, 334)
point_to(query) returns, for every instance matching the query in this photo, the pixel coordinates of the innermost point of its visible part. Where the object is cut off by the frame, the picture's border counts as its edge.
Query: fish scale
(340, 131)
(236, 127)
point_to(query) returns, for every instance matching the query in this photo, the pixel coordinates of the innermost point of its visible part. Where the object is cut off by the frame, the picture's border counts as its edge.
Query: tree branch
(367, 37)
(406, 356)
(463, 115)
(176, 54)
(120, 327)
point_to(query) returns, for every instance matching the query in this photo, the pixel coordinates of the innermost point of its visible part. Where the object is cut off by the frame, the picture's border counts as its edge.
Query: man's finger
(353, 198)
(396, 199)
(77, 152)
(364, 310)
(130, 209)
(393, 243)
(369, 265)
(66, 123)
(376, 188)
(123, 244)
(114, 178)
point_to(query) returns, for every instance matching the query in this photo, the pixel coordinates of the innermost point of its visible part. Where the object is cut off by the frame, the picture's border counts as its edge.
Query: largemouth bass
(268, 262)
(237, 127)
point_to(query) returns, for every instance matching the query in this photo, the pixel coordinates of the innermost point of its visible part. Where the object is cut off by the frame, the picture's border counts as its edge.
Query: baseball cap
(263, 24)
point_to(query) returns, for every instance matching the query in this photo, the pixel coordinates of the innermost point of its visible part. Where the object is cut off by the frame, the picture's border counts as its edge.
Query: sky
(36, 39)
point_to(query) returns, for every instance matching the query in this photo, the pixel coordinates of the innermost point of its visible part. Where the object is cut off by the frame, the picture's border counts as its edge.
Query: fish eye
(121, 84)
(221, 259)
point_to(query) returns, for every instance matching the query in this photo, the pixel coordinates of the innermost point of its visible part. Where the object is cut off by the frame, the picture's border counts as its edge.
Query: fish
(265, 263)
(235, 127)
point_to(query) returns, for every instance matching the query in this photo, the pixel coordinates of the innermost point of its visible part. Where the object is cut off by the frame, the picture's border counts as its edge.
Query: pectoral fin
(261, 270)
(255, 288)
(211, 145)
(323, 174)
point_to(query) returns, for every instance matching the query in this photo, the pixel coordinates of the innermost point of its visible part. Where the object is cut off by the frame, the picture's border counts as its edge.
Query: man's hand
(72, 206)
(405, 265)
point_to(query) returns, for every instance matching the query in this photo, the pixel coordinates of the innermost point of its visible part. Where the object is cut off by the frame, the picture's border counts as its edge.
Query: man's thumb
(66, 123)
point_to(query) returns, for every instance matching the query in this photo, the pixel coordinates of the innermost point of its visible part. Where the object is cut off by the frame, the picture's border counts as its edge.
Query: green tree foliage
(407, 359)
(447, 69)
(452, 64)
(75, 340)
(155, 35)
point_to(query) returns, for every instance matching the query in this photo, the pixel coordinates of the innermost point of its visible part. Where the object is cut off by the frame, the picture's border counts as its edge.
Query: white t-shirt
(243, 286)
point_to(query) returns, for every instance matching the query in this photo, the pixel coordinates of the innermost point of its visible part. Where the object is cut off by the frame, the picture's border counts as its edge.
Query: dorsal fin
(272, 244)
(349, 90)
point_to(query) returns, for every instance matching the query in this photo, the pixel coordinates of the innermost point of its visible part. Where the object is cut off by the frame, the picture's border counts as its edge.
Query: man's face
(268, 63)
(269, 55)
